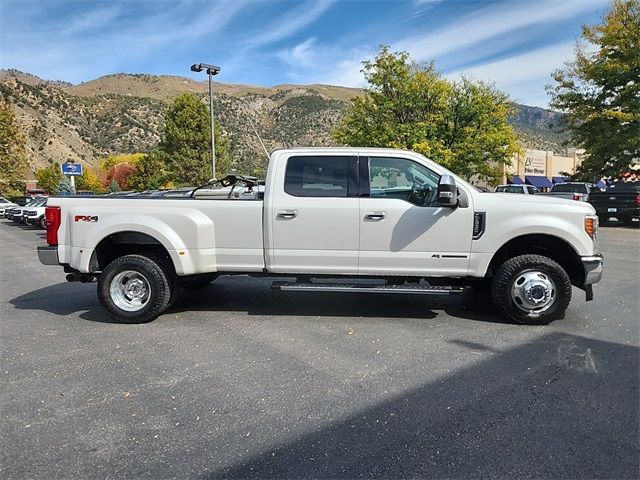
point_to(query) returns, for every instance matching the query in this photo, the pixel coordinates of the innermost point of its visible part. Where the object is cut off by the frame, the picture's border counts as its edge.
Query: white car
(34, 214)
(4, 204)
(514, 188)
(346, 214)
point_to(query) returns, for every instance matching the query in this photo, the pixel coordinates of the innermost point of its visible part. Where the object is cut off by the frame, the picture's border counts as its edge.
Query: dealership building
(542, 168)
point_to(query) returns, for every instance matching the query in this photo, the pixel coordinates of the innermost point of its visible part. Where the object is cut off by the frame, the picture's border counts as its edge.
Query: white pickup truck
(332, 219)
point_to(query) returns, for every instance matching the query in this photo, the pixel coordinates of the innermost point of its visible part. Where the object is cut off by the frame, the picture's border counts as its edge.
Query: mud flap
(588, 290)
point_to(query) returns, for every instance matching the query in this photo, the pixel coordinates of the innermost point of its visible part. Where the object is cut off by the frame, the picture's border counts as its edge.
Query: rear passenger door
(314, 227)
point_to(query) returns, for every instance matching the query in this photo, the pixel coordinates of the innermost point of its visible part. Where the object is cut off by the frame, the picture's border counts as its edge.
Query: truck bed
(204, 234)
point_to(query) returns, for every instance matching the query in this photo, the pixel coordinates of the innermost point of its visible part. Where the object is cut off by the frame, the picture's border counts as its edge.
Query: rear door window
(317, 176)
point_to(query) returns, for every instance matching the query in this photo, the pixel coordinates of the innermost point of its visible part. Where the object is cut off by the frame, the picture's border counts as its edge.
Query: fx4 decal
(85, 218)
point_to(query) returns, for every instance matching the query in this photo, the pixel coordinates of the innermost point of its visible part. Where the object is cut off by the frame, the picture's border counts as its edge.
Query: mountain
(123, 113)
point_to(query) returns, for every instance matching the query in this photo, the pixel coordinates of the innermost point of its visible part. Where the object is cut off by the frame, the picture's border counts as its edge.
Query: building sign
(71, 169)
(535, 165)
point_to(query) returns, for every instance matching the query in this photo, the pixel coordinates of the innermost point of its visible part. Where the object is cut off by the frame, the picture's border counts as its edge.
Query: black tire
(513, 270)
(196, 282)
(42, 223)
(159, 288)
(165, 262)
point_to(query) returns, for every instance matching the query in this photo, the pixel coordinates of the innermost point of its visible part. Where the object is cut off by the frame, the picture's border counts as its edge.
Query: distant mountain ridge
(123, 113)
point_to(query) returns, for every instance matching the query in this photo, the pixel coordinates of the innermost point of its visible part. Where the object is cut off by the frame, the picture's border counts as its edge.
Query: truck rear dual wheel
(531, 289)
(136, 288)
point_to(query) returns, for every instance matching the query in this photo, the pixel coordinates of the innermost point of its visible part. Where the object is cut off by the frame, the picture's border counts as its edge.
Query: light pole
(211, 71)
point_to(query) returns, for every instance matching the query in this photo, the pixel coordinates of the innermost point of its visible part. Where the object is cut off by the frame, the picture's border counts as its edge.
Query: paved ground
(240, 381)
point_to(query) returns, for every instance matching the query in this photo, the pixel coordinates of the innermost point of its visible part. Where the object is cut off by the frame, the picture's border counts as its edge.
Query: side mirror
(447, 192)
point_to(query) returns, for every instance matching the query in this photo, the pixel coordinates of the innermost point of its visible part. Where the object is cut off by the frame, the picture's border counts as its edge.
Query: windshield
(510, 189)
(570, 188)
(624, 187)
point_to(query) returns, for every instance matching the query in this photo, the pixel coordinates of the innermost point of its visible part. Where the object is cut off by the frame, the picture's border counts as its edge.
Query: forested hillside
(123, 113)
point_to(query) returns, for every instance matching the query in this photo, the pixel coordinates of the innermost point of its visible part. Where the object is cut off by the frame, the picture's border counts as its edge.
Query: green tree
(49, 177)
(114, 186)
(461, 125)
(186, 141)
(65, 187)
(13, 154)
(600, 91)
(151, 172)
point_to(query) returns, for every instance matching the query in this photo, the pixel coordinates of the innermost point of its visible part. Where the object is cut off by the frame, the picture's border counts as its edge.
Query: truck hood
(538, 203)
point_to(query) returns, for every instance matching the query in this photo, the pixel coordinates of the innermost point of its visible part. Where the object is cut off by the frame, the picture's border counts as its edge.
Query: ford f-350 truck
(327, 219)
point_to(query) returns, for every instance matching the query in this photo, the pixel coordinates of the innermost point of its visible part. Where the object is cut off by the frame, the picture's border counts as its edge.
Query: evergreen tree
(186, 142)
(600, 91)
(114, 186)
(65, 187)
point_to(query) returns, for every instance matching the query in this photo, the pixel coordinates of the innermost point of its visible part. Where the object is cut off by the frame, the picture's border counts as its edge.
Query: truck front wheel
(531, 289)
(134, 289)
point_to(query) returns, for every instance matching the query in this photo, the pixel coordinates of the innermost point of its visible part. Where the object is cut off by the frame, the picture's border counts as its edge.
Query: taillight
(52, 217)
(576, 196)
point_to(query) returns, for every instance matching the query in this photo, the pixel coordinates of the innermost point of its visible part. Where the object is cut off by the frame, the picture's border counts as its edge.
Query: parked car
(15, 213)
(345, 213)
(4, 204)
(34, 214)
(571, 190)
(513, 188)
(620, 202)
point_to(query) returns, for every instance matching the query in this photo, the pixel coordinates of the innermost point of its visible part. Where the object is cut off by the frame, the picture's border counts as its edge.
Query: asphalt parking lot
(241, 381)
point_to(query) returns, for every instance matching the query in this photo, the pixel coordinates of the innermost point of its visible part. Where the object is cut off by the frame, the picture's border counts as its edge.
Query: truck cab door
(403, 229)
(311, 219)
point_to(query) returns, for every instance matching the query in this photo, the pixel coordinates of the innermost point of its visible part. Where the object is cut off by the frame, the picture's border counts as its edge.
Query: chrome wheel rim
(130, 291)
(533, 292)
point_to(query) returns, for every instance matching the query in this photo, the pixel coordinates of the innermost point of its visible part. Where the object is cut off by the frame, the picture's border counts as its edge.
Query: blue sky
(514, 43)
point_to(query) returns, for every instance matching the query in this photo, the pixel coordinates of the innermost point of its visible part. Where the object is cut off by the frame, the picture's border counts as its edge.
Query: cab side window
(403, 179)
(320, 176)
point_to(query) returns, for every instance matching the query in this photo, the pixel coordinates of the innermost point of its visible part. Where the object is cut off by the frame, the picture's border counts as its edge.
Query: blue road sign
(71, 169)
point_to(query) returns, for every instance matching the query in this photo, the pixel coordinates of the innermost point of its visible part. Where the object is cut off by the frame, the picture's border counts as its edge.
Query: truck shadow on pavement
(562, 406)
(255, 297)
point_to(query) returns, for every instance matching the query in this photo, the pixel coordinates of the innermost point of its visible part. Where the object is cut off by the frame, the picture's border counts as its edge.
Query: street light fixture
(211, 71)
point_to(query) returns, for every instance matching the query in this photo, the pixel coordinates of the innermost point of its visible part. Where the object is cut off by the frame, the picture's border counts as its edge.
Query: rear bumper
(592, 269)
(48, 255)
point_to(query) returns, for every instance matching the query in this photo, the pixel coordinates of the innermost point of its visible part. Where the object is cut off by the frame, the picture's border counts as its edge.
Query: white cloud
(101, 41)
(524, 75)
(301, 55)
(490, 22)
(91, 21)
(290, 23)
(483, 30)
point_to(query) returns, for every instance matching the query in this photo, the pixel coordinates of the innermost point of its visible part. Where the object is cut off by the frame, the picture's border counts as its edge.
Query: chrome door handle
(375, 215)
(287, 214)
